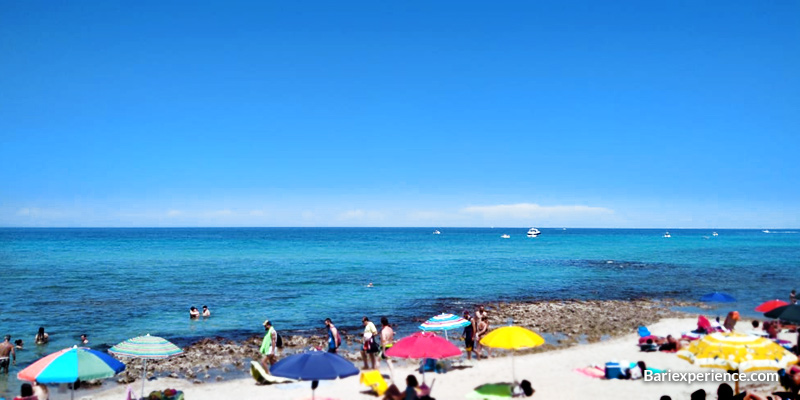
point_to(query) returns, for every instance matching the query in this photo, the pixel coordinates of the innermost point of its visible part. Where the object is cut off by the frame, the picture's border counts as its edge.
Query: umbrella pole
(513, 370)
(144, 374)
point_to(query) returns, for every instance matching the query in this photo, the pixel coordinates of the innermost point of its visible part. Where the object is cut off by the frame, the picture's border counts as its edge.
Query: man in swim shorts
(469, 336)
(6, 351)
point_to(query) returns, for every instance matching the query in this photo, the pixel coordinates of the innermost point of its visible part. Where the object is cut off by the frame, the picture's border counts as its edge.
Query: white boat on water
(765, 231)
(714, 234)
(533, 232)
(667, 235)
(506, 236)
(436, 232)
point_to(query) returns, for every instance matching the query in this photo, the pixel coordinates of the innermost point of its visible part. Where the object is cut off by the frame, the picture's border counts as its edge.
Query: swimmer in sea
(370, 285)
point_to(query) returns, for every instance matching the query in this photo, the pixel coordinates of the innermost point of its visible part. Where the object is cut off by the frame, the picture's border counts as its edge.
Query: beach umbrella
(423, 345)
(718, 297)
(145, 347)
(444, 322)
(314, 366)
(512, 338)
(70, 365)
(788, 313)
(735, 351)
(770, 305)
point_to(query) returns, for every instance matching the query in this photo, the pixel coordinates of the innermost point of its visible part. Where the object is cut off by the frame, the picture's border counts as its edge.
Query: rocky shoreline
(569, 322)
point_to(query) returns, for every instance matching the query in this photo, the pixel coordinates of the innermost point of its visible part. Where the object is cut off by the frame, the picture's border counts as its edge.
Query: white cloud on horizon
(556, 215)
(361, 216)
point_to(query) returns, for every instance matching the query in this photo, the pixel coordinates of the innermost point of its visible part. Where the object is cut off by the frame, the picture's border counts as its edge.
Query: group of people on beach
(475, 331)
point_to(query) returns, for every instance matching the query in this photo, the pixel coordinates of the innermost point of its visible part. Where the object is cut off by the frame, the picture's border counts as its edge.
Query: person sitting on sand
(26, 392)
(672, 344)
(730, 320)
(40, 391)
(698, 395)
(41, 337)
(756, 331)
(637, 371)
(524, 389)
(411, 388)
(724, 392)
(194, 313)
(206, 311)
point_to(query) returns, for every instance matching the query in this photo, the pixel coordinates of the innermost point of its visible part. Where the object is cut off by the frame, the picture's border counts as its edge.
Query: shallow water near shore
(117, 283)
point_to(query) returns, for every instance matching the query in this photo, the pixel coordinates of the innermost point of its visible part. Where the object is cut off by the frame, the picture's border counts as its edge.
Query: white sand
(551, 373)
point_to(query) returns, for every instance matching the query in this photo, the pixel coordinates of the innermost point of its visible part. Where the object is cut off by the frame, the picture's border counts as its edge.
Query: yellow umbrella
(735, 351)
(512, 338)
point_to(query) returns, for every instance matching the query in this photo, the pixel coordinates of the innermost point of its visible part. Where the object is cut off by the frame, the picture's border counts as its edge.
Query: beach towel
(591, 372)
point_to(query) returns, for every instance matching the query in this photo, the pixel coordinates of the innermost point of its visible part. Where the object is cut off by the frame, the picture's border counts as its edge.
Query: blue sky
(412, 113)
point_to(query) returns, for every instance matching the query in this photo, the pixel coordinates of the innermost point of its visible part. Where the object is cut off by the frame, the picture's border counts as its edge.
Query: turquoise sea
(117, 283)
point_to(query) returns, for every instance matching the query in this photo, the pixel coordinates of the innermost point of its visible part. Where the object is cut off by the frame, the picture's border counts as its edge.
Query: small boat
(714, 234)
(765, 231)
(667, 235)
(436, 232)
(533, 232)
(506, 236)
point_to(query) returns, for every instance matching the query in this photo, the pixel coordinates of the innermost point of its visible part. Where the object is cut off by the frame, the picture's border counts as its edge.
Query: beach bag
(371, 345)
(279, 340)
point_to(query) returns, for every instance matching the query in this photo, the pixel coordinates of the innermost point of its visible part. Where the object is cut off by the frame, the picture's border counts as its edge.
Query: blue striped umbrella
(444, 322)
(145, 347)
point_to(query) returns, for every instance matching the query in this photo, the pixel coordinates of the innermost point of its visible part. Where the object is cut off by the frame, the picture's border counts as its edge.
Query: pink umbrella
(768, 306)
(423, 345)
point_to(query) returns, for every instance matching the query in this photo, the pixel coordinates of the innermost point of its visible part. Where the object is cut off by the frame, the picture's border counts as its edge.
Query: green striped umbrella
(146, 347)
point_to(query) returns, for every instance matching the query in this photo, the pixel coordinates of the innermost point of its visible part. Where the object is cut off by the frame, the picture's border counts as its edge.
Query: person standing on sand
(269, 346)
(334, 341)
(387, 341)
(483, 315)
(370, 346)
(469, 336)
(6, 351)
(480, 332)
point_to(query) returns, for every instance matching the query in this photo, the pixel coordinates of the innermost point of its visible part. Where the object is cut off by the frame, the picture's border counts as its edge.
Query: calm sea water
(117, 283)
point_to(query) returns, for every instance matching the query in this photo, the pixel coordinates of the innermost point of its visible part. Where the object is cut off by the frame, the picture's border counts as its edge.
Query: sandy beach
(552, 374)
